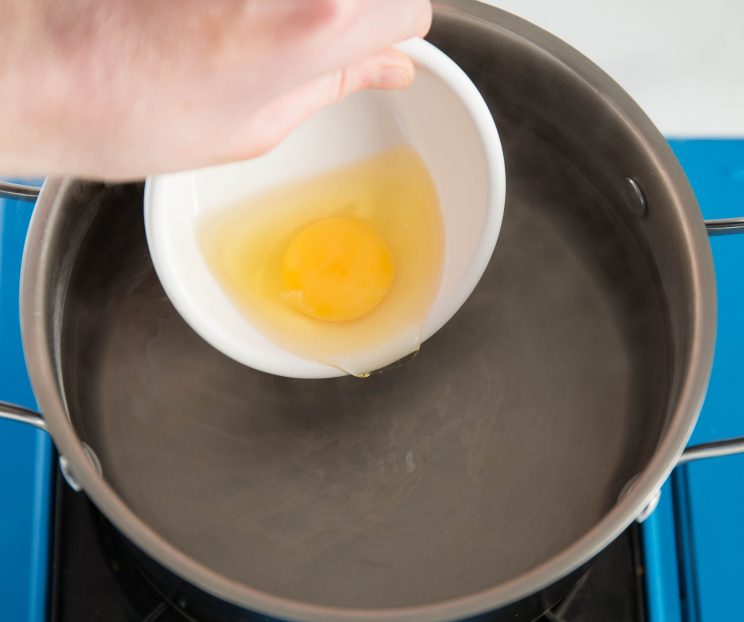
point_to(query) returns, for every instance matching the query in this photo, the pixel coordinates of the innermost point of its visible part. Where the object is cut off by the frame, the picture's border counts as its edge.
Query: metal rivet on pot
(650, 507)
(69, 475)
(634, 197)
(627, 488)
(93, 458)
(651, 503)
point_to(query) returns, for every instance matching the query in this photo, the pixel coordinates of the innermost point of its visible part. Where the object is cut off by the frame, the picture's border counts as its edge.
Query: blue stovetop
(694, 542)
(25, 453)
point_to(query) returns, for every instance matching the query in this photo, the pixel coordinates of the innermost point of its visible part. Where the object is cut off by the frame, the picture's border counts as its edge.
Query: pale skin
(122, 89)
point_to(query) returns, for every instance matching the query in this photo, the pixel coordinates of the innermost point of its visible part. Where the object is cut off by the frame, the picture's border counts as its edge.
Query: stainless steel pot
(525, 437)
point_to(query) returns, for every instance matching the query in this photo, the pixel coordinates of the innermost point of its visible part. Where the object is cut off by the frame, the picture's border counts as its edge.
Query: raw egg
(342, 268)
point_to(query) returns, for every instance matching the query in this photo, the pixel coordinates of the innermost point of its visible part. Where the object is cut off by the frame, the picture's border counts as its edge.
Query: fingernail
(394, 77)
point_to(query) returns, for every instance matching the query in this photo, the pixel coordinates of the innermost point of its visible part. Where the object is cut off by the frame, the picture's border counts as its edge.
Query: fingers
(389, 69)
(290, 42)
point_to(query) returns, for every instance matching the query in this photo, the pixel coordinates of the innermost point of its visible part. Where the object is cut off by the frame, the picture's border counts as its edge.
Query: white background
(681, 60)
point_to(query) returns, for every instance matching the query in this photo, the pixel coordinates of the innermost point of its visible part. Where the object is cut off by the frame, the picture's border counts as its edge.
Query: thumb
(389, 69)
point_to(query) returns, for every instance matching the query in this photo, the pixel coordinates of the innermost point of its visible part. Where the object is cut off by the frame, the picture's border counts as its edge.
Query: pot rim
(47, 385)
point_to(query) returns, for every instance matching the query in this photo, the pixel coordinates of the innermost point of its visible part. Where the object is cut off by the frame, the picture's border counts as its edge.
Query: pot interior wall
(511, 434)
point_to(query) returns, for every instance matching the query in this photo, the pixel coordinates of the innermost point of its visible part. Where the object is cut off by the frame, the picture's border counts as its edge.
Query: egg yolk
(337, 269)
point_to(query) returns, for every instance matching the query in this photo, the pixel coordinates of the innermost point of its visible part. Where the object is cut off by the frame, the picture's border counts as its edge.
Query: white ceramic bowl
(441, 115)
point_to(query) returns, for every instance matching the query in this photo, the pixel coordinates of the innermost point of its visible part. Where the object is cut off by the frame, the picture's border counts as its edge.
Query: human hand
(121, 89)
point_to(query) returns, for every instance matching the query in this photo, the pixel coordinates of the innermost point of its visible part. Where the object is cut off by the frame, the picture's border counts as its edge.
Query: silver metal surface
(725, 226)
(66, 470)
(634, 196)
(20, 414)
(703, 451)
(93, 458)
(716, 449)
(651, 505)
(486, 469)
(23, 192)
(69, 475)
